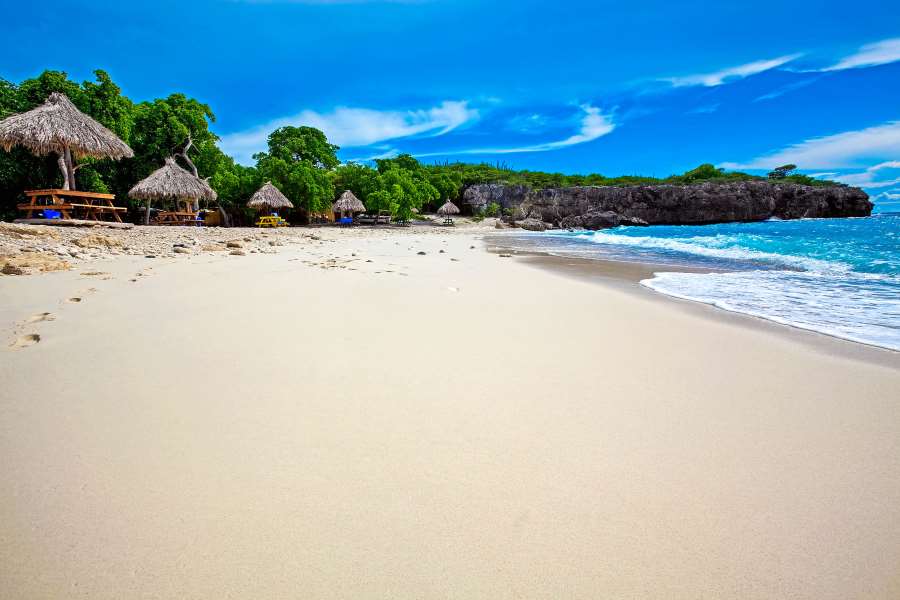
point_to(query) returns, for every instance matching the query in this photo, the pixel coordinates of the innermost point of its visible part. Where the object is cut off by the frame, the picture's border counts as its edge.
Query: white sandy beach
(421, 427)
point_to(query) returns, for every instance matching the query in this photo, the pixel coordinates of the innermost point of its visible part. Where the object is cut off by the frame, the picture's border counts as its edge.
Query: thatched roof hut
(57, 126)
(171, 181)
(348, 203)
(447, 209)
(269, 196)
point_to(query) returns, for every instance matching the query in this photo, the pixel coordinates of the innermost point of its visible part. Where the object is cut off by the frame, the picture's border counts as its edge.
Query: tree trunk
(61, 161)
(187, 159)
(70, 167)
(147, 214)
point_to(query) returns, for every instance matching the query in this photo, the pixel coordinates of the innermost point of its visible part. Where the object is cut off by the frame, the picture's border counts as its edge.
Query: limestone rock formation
(673, 204)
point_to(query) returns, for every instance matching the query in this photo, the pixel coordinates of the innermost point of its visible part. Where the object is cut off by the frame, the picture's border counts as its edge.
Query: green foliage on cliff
(470, 174)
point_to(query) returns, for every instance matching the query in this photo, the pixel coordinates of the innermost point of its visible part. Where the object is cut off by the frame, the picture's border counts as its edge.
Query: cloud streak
(843, 150)
(870, 55)
(717, 78)
(594, 124)
(870, 177)
(791, 87)
(346, 126)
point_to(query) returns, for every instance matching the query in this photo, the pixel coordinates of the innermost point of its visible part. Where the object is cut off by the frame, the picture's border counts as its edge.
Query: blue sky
(617, 88)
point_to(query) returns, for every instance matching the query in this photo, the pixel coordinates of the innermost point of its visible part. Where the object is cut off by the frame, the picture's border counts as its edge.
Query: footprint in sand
(45, 316)
(26, 340)
(77, 299)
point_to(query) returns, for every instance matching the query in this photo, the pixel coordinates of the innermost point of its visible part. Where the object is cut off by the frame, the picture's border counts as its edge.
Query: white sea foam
(836, 276)
(859, 307)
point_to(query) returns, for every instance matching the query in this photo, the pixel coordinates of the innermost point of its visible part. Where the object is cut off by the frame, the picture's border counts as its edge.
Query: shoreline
(627, 275)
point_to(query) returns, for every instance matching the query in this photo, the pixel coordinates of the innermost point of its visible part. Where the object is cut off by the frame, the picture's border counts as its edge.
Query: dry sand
(308, 424)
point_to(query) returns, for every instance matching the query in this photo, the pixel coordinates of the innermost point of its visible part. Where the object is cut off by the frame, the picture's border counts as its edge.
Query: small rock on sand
(95, 240)
(234, 244)
(13, 270)
(181, 250)
(237, 253)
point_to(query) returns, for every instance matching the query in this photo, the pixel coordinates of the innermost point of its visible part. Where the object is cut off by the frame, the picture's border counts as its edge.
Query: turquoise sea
(836, 276)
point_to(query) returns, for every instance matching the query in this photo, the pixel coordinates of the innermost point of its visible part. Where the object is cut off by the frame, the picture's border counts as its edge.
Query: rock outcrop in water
(597, 207)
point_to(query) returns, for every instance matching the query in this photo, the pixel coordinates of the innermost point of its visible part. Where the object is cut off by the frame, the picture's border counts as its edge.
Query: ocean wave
(730, 247)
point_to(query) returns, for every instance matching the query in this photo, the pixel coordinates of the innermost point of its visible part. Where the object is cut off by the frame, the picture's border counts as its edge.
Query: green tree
(299, 162)
(303, 144)
(104, 101)
(360, 179)
(162, 128)
(403, 161)
(782, 171)
(379, 201)
(308, 187)
(33, 92)
(234, 183)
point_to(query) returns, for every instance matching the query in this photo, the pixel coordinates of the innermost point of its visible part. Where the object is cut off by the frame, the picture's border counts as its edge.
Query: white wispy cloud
(594, 124)
(873, 177)
(888, 196)
(346, 126)
(386, 153)
(731, 73)
(870, 55)
(843, 150)
(787, 89)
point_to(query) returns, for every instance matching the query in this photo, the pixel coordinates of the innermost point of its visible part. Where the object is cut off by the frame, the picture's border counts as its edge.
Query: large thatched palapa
(57, 126)
(172, 182)
(269, 196)
(348, 203)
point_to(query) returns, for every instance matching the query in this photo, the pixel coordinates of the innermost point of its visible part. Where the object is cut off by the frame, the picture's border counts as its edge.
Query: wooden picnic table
(170, 217)
(91, 206)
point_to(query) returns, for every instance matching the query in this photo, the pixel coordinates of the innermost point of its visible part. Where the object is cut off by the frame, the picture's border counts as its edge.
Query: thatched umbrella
(447, 209)
(269, 196)
(348, 203)
(57, 126)
(171, 181)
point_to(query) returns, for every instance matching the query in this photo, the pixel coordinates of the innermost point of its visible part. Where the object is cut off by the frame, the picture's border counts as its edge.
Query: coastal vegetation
(299, 161)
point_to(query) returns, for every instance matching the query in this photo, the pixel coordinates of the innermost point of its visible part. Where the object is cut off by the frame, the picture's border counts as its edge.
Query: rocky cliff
(597, 207)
